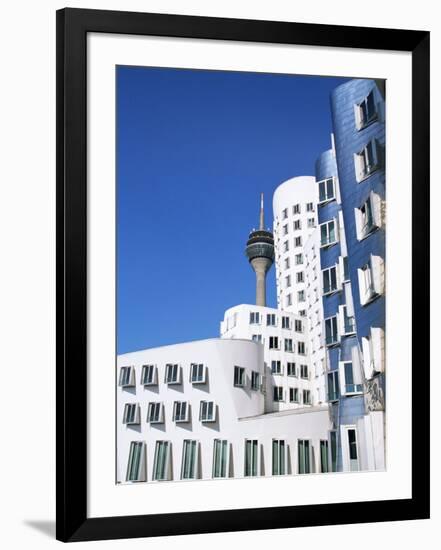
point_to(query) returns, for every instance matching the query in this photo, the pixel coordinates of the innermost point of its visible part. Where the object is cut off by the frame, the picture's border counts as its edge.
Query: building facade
(289, 390)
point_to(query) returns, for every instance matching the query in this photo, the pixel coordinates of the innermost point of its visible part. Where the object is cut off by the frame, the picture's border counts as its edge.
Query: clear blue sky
(194, 150)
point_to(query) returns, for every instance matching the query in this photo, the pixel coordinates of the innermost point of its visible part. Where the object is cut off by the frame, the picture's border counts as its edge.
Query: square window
(180, 411)
(326, 190)
(254, 318)
(271, 320)
(207, 411)
(172, 373)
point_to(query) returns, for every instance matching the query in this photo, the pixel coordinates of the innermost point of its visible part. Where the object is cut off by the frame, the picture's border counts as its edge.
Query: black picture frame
(72, 28)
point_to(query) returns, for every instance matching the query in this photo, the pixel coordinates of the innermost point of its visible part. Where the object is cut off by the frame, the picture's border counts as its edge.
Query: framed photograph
(242, 275)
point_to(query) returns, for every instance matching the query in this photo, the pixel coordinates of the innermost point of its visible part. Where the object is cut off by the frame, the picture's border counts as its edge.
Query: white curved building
(295, 218)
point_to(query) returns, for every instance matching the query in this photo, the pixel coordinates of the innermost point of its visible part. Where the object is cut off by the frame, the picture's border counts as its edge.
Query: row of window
(222, 458)
(274, 343)
(297, 226)
(272, 320)
(291, 369)
(172, 374)
(296, 209)
(293, 395)
(181, 412)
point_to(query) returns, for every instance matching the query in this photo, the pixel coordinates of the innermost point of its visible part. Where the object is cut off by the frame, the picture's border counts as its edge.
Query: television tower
(260, 253)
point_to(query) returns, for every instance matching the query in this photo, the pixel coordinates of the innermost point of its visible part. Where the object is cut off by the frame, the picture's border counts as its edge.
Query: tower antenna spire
(262, 220)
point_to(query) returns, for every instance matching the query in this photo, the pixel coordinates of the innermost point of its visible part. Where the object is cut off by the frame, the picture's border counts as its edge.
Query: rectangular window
(300, 278)
(302, 312)
(348, 321)
(127, 376)
(345, 269)
(289, 300)
(278, 393)
(367, 218)
(285, 323)
(287, 281)
(326, 190)
(197, 373)
(301, 296)
(293, 395)
(296, 209)
(291, 369)
(276, 367)
(162, 460)
(251, 457)
(304, 456)
(155, 413)
(301, 348)
(333, 442)
(310, 207)
(255, 380)
(352, 450)
(239, 377)
(298, 325)
(254, 317)
(287, 264)
(333, 386)
(311, 222)
(288, 345)
(297, 225)
(298, 259)
(207, 411)
(131, 413)
(136, 462)
(371, 280)
(365, 112)
(331, 332)
(304, 372)
(220, 458)
(257, 338)
(366, 160)
(350, 386)
(286, 246)
(189, 459)
(306, 397)
(279, 457)
(297, 241)
(180, 411)
(285, 229)
(149, 376)
(329, 276)
(271, 320)
(172, 374)
(273, 342)
(328, 234)
(324, 456)
(284, 213)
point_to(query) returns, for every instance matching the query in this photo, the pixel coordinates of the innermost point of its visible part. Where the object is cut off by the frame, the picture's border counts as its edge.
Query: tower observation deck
(260, 254)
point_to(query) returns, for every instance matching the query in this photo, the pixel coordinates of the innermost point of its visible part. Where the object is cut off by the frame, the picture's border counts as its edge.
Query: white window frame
(324, 443)
(291, 369)
(334, 376)
(331, 289)
(271, 320)
(346, 321)
(328, 195)
(193, 472)
(139, 474)
(223, 443)
(273, 342)
(300, 277)
(254, 318)
(364, 165)
(278, 394)
(167, 461)
(153, 379)
(284, 213)
(361, 111)
(356, 388)
(255, 380)
(298, 325)
(276, 366)
(255, 458)
(371, 280)
(131, 415)
(295, 395)
(198, 367)
(362, 226)
(301, 296)
(282, 457)
(302, 442)
(304, 368)
(298, 259)
(241, 379)
(300, 345)
(157, 418)
(204, 415)
(286, 322)
(307, 401)
(296, 209)
(333, 323)
(349, 465)
(310, 207)
(297, 225)
(178, 417)
(289, 347)
(297, 241)
(311, 223)
(176, 369)
(328, 242)
(127, 380)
